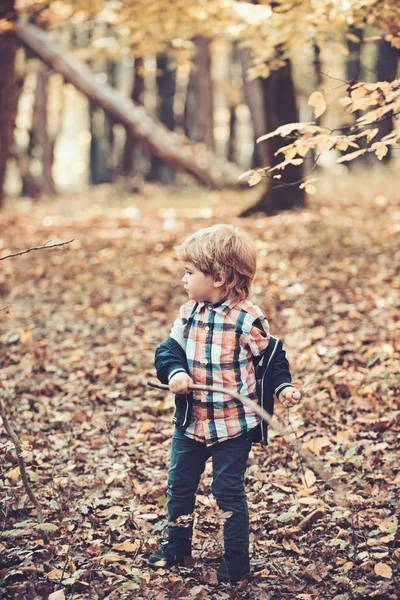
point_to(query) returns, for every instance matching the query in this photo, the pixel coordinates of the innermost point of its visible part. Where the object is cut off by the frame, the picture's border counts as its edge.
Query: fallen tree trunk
(195, 159)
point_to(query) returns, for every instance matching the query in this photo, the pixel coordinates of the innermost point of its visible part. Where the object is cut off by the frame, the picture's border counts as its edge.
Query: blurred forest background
(124, 127)
(221, 91)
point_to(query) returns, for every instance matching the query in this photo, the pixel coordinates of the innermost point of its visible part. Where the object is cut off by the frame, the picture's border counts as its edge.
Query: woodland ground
(78, 332)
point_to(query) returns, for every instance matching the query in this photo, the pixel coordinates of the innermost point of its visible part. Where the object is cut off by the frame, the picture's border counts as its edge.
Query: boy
(220, 338)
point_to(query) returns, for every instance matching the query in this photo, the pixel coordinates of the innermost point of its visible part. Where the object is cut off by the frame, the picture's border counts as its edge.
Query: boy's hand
(180, 383)
(289, 397)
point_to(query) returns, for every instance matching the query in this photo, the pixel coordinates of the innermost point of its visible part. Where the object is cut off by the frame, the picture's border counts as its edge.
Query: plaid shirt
(219, 341)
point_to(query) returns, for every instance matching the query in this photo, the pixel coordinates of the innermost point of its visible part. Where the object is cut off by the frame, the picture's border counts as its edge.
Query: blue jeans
(229, 458)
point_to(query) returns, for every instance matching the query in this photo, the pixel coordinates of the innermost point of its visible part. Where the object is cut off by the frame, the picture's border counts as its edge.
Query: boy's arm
(170, 361)
(281, 381)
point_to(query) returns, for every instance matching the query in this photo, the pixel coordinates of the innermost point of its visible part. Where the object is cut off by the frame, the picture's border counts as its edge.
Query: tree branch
(17, 445)
(44, 247)
(315, 464)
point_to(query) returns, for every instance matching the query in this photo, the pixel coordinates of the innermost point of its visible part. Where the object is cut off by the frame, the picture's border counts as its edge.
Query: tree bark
(386, 70)
(40, 145)
(199, 107)
(165, 82)
(102, 138)
(279, 109)
(253, 95)
(131, 146)
(8, 88)
(200, 162)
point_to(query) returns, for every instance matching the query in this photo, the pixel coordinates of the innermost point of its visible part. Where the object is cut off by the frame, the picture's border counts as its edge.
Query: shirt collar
(222, 307)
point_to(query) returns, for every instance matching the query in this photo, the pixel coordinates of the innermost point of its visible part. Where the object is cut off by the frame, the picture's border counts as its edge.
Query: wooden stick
(17, 444)
(44, 247)
(314, 463)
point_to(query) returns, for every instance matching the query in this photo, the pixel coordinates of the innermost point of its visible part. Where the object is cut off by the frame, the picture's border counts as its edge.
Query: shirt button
(205, 362)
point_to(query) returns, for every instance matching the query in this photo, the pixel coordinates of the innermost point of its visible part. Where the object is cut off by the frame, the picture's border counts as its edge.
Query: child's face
(201, 287)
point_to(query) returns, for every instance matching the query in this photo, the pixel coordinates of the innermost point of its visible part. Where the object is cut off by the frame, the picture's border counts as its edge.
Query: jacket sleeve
(169, 359)
(280, 375)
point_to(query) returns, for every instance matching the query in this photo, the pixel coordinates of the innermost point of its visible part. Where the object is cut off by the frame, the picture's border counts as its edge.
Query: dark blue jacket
(272, 375)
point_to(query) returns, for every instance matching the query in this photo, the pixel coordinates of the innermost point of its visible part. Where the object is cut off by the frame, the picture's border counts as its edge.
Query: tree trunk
(44, 143)
(132, 148)
(279, 109)
(40, 145)
(353, 62)
(386, 70)
(165, 82)
(8, 88)
(199, 107)
(253, 95)
(199, 162)
(102, 138)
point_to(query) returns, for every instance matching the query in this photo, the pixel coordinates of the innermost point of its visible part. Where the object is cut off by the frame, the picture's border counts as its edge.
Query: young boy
(220, 338)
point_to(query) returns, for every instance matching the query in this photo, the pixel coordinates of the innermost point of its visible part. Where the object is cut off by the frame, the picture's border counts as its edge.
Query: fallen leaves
(99, 440)
(383, 570)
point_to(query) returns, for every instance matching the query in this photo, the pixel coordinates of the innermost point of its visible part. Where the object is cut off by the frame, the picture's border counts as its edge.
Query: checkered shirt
(219, 341)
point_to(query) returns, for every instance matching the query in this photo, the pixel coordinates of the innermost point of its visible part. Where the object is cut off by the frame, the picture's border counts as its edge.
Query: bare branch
(44, 247)
(17, 445)
(315, 464)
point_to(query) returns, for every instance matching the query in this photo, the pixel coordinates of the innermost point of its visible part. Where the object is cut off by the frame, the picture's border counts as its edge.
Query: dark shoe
(171, 552)
(234, 566)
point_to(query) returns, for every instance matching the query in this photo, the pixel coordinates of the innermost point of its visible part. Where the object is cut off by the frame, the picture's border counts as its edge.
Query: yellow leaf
(351, 155)
(254, 178)
(381, 150)
(264, 573)
(317, 100)
(55, 574)
(371, 133)
(126, 547)
(316, 444)
(358, 93)
(146, 427)
(58, 595)
(13, 474)
(383, 570)
(295, 548)
(283, 130)
(309, 478)
(310, 189)
(347, 566)
(309, 501)
(286, 544)
(113, 558)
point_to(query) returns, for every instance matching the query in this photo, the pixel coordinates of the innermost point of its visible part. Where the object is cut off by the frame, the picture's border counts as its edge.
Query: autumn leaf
(55, 574)
(383, 570)
(309, 478)
(255, 178)
(317, 101)
(127, 546)
(310, 189)
(59, 595)
(13, 474)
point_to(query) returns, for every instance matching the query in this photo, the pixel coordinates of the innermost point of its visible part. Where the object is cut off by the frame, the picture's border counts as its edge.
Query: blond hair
(226, 249)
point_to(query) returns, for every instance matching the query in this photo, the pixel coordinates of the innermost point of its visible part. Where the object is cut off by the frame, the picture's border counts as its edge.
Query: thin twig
(44, 247)
(315, 464)
(17, 444)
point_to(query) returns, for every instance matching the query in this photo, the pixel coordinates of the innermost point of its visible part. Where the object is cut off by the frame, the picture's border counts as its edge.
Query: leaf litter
(78, 341)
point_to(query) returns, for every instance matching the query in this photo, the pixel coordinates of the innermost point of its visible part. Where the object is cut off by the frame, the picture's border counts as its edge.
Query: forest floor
(79, 327)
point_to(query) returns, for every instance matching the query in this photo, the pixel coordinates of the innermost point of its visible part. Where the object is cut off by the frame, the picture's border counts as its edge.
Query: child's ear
(219, 279)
